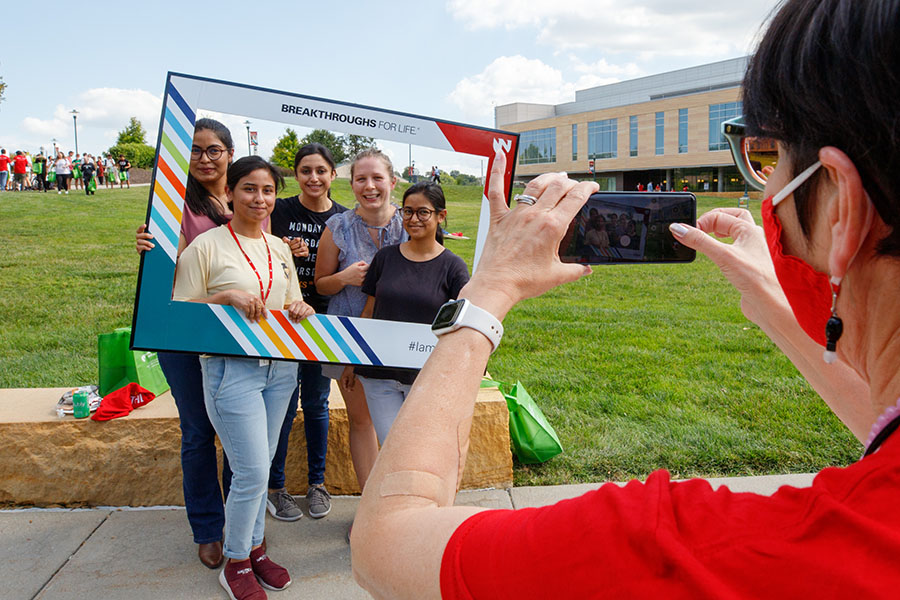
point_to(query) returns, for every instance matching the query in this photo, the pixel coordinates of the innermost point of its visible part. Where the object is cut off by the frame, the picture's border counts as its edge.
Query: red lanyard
(268, 253)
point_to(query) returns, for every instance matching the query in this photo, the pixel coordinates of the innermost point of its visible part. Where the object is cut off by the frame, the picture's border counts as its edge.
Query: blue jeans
(200, 481)
(385, 398)
(4, 175)
(313, 393)
(246, 400)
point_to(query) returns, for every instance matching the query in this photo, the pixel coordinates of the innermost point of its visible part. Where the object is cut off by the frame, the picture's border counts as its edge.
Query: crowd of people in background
(22, 171)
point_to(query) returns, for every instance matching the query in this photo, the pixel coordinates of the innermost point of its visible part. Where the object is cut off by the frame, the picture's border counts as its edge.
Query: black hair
(434, 193)
(314, 148)
(244, 166)
(197, 197)
(825, 74)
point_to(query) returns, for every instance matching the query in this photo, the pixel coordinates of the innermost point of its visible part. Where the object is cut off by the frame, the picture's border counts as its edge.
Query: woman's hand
(354, 274)
(142, 239)
(746, 262)
(297, 245)
(348, 378)
(252, 306)
(299, 310)
(521, 253)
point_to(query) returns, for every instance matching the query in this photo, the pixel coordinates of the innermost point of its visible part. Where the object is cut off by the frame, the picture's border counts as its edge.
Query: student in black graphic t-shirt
(300, 221)
(409, 282)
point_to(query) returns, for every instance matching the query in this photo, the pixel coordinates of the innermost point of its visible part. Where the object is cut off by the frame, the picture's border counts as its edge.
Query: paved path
(133, 554)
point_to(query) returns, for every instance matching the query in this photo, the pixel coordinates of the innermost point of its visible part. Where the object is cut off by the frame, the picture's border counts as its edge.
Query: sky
(452, 60)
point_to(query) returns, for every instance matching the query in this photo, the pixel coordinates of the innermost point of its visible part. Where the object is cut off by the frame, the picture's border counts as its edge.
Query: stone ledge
(135, 460)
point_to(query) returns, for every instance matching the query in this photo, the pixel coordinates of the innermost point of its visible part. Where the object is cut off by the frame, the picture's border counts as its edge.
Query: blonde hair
(373, 153)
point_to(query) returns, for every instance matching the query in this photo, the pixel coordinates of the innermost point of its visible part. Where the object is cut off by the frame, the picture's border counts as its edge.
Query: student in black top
(409, 282)
(87, 172)
(124, 166)
(300, 221)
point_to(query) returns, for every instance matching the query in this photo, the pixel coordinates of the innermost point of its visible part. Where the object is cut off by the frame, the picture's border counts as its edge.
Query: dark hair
(825, 74)
(434, 193)
(314, 148)
(244, 166)
(196, 196)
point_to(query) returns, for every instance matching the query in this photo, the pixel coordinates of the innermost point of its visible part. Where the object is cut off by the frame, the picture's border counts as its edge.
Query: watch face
(447, 315)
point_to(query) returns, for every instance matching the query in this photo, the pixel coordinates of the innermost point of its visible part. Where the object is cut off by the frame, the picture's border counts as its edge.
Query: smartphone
(629, 227)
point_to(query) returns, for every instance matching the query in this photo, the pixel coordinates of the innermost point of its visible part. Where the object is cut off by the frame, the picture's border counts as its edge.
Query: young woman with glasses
(408, 282)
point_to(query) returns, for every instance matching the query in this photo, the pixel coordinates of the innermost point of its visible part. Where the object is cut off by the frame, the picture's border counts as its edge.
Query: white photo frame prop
(161, 324)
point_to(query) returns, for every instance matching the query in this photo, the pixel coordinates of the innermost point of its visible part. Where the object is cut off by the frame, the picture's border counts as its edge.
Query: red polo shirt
(838, 539)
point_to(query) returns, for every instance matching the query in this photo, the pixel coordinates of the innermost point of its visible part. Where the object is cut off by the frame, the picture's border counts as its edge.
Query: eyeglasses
(213, 152)
(423, 213)
(755, 157)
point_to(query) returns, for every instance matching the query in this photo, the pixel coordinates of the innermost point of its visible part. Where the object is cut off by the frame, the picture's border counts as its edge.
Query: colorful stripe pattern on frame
(172, 171)
(325, 338)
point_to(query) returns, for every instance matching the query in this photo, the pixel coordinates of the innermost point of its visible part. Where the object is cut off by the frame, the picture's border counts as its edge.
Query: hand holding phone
(629, 227)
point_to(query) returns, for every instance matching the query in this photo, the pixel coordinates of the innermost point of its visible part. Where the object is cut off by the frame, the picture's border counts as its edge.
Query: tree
(139, 155)
(286, 148)
(2, 89)
(329, 140)
(354, 144)
(132, 144)
(133, 133)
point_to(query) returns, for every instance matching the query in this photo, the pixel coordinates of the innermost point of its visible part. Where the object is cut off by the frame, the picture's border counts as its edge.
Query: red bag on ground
(121, 402)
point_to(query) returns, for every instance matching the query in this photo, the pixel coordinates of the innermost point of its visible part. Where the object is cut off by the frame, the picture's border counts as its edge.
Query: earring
(834, 327)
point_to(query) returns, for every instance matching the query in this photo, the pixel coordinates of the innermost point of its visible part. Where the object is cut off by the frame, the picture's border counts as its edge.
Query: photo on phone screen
(629, 227)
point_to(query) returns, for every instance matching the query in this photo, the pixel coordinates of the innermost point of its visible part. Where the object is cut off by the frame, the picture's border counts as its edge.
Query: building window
(660, 132)
(632, 136)
(574, 142)
(718, 114)
(537, 146)
(682, 130)
(602, 139)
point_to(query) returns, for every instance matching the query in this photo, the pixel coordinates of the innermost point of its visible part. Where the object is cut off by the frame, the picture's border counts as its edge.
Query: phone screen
(629, 227)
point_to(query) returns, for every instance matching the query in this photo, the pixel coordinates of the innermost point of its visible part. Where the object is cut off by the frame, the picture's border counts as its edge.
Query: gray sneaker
(318, 501)
(282, 506)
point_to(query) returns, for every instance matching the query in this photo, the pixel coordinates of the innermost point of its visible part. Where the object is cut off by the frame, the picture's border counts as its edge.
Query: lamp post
(55, 151)
(247, 124)
(75, 123)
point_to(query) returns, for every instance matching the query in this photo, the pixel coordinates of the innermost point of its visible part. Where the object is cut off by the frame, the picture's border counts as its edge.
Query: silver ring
(524, 199)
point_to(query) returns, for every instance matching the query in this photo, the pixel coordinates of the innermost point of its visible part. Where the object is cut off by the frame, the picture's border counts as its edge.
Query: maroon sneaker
(270, 575)
(238, 580)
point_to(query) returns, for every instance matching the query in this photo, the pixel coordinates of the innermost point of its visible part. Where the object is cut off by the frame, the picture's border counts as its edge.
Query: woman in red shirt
(824, 275)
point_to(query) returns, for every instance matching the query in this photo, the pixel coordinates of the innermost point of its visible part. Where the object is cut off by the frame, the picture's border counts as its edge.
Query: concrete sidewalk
(133, 554)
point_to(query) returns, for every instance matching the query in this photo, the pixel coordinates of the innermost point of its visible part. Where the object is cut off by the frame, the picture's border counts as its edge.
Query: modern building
(663, 129)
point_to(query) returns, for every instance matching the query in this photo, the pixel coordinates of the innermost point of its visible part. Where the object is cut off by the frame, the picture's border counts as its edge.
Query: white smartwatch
(462, 313)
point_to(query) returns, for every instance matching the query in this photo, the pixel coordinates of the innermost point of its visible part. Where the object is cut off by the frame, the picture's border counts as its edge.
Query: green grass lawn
(638, 367)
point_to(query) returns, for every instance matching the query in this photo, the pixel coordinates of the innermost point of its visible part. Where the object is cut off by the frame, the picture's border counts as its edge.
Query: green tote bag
(533, 438)
(120, 366)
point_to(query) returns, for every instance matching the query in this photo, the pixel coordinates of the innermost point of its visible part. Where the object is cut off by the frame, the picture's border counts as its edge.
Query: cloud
(103, 109)
(511, 79)
(519, 79)
(647, 28)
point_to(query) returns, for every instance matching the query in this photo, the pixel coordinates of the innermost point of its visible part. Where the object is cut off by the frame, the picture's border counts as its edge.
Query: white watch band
(473, 317)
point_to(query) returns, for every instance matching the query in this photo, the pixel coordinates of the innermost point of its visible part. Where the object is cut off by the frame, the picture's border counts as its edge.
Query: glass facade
(632, 136)
(603, 139)
(574, 141)
(719, 113)
(660, 132)
(537, 146)
(682, 130)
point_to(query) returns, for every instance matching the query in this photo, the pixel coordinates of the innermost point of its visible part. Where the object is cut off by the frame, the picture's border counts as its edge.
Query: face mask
(809, 292)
